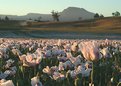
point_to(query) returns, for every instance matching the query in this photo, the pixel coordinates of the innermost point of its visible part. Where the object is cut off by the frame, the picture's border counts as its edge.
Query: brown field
(109, 27)
(105, 25)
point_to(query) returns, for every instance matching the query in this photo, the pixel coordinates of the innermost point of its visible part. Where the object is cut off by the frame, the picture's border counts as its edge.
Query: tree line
(55, 16)
(114, 14)
(4, 19)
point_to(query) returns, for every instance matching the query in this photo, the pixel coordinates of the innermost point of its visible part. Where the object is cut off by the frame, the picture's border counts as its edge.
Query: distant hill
(74, 13)
(68, 14)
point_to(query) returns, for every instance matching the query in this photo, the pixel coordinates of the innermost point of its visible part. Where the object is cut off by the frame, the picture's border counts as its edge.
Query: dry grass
(105, 25)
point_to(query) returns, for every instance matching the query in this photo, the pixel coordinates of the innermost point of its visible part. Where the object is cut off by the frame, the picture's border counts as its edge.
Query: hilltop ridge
(68, 14)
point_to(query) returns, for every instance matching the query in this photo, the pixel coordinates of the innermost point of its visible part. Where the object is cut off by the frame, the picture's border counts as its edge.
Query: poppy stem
(92, 74)
(0, 64)
(119, 84)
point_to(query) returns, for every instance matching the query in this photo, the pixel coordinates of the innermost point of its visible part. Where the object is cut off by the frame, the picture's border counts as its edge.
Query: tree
(96, 15)
(30, 19)
(113, 14)
(39, 19)
(80, 18)
(116, 14)
(101, 16)
(6, 18)
(55, 15)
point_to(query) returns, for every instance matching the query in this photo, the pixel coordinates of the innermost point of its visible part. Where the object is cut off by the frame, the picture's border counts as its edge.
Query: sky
(22, 7)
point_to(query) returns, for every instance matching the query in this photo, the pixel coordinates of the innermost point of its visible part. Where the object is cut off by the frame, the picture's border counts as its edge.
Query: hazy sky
(22, 7)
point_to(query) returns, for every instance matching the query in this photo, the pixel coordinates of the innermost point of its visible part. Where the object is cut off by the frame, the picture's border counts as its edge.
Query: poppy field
(60, 62)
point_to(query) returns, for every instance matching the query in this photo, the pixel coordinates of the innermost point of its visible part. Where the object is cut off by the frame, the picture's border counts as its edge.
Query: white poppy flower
(68, 64)
(91, 84)
(48, 53)
(6, 83)
(106, 52)
(54, 68)
(3, 76)
(47, 70)
(61, 66)
(62, 58)
(31, 59)
(35, 81)
(75, 60)
(112, 79)
(9, 63)
(73, 74)
(10, 72)
(59, 42)
(57, 75)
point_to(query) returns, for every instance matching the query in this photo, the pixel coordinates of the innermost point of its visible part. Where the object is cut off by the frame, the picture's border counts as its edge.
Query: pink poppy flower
(90, 50)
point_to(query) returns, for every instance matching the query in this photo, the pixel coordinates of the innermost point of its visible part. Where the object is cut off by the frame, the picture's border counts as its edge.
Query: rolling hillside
(109, 27)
